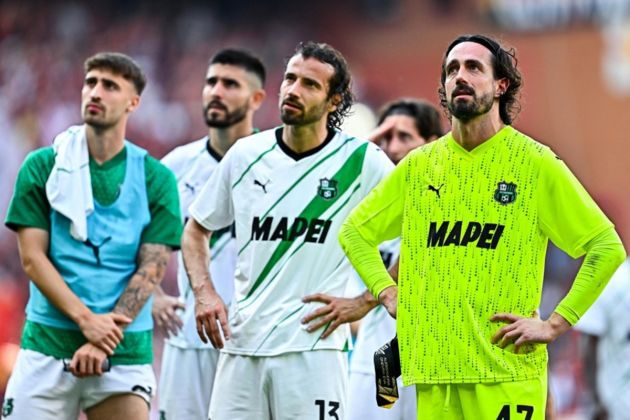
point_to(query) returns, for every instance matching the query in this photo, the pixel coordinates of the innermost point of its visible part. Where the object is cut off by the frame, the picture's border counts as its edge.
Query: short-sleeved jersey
(192, 165)
(475, 227)
(608, 319)
(29, 205)
(287, 209)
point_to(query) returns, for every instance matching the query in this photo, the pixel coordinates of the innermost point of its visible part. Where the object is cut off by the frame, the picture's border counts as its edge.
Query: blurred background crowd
(574, 55)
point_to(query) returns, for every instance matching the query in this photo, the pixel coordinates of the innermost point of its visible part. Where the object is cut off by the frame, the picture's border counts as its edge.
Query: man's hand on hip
(336, 311)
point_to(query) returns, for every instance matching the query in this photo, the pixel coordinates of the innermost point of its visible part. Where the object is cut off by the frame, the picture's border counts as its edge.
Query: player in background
(96, 219)
(475, 210)
(403, 125)
(607, 351)
(287, 190)
(233, 90)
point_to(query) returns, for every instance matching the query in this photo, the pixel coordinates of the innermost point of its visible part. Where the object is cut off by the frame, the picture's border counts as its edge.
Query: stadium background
(574, 55)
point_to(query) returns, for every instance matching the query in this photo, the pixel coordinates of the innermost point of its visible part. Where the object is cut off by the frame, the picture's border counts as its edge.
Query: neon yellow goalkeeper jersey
(475, 227)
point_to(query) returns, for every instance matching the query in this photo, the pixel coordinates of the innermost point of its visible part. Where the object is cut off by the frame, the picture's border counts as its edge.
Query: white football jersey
(378, 327)
(288, 209)
(192, 165)
(608, 319)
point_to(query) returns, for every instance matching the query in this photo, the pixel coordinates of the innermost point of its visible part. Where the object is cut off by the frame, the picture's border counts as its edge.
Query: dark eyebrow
(230, 80)
(110, 82)
(473, 61)
(105, 80)
(467, 62)
(313, 81)
(450, 64)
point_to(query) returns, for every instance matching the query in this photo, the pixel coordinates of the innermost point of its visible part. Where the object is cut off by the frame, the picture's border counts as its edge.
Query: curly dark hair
(120, 64)
(340, 82)
(504, 64)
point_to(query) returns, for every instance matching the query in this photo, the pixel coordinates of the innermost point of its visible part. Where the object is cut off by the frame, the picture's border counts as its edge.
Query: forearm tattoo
(152, 260)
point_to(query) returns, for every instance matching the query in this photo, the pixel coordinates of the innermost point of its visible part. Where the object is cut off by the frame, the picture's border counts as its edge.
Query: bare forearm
(152, 261)
(196, 255)
(48, 280)
(33, 244)
(558, 324)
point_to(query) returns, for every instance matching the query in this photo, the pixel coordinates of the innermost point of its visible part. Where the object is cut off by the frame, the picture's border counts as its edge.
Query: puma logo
(190, 187)
(96, 249)
(436, 190)
(261, 185)
(139, 388)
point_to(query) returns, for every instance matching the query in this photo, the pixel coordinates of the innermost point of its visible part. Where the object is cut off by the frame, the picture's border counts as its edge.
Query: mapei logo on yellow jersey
(485, 235)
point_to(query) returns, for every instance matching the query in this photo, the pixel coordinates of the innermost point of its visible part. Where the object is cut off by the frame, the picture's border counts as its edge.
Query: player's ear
(257, 99)
(502, 86)
(334, 102)
(134, 102)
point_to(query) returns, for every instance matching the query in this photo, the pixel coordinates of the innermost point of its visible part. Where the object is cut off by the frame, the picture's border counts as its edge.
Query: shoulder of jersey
(436, 146)
(353, 141)
(255, 143)
(521, 142)
(186, 151)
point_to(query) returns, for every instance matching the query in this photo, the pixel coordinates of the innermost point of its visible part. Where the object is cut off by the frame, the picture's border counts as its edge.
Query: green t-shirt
(475, 227)
(29, 207)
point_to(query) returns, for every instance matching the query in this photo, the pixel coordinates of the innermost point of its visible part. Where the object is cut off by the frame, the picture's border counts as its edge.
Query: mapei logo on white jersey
(279, 229)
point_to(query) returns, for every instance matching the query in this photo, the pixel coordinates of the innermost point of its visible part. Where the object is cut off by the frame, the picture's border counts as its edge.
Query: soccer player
(96, 219)
(475, 210)
(607, 356)
(232, 93)
(403, 125)
(287, 190)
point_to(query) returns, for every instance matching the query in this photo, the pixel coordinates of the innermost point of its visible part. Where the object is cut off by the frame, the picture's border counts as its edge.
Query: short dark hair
(504, 64)
(340, 82)
(241, 58)
(119, 64)
(425, 115)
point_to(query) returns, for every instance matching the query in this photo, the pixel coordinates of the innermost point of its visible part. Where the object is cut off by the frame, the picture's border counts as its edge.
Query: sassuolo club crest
(327, 188)
(505, 193)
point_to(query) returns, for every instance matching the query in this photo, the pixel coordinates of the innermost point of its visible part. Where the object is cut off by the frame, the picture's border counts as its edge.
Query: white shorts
(186, 381)
(40, 389)
(362, 400)
(308, 385)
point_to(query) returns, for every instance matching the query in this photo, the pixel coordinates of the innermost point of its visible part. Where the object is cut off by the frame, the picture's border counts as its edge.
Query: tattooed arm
(152, 260)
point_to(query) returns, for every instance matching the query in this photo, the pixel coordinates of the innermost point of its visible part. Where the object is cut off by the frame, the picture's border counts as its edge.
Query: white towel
(69, 187)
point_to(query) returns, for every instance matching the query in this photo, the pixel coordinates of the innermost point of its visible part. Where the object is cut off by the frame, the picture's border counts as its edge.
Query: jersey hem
(199, 219)
(188, 346)
(418, 380)
(271, 353)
